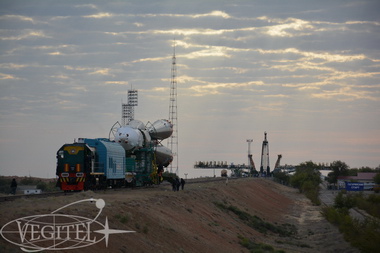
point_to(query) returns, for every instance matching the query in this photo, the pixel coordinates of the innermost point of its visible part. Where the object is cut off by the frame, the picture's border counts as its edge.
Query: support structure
(251, 164)
(173, 140)
(127, 110)
(278, 161)
(264, 168)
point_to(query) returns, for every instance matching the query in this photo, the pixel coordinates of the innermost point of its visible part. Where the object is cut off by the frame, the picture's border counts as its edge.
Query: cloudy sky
(306, 72)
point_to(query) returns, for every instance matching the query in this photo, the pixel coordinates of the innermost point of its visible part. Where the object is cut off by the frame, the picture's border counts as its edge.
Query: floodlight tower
(127, 110)
(265, 156)
(173, 139)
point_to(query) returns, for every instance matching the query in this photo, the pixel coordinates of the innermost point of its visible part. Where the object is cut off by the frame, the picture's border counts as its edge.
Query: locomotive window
(61, 153)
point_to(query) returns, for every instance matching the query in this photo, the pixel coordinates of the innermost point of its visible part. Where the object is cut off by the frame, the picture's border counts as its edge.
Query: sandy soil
(189, 220)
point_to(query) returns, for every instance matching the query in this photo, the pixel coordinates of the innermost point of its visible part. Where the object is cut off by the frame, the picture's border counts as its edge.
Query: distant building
(363, 177)
(29, 189)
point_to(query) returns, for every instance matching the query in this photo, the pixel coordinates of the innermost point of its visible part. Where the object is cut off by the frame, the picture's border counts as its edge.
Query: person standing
(182, 183)
(178, 183)
(13, 186)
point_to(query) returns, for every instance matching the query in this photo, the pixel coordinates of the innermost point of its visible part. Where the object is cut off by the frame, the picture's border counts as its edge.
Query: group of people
(178, 183)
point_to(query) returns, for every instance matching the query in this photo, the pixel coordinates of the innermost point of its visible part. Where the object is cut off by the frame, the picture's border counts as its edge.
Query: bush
(256, 247)
(5, 184)
(42, 186)
(281, 177)
(307, 180)
(363, 235)
(257, 223)
(342, 201)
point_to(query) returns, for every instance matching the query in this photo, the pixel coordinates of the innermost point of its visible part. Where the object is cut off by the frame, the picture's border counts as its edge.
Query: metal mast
(127, 110)
(173, 140)
(265, 157)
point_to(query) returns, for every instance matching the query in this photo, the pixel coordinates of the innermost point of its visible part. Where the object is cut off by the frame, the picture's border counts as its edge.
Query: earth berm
(204, 217)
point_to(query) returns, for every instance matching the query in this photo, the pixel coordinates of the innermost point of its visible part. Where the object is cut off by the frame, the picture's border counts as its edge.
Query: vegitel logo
(56, 231)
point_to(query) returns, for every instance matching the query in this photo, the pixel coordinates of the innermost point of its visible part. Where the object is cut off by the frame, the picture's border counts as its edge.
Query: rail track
(61, 193)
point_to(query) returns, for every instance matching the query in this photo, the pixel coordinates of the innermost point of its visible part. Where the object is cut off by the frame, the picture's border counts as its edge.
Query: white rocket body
(135, 135)
(161, 129)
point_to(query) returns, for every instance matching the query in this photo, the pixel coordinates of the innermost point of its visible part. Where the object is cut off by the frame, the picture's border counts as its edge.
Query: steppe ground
(190, 220)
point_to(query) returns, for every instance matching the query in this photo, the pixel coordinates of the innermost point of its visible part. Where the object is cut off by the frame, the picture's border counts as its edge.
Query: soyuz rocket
(136, 135)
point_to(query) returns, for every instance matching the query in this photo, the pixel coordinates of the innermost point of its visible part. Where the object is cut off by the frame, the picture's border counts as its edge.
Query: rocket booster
(136, 135)
(161, 129)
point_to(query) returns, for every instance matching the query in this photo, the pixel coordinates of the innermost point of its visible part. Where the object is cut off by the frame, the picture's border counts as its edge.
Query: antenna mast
(173, 140)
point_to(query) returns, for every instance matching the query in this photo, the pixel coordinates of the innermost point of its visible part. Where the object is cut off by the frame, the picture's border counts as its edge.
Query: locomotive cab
(73, 166)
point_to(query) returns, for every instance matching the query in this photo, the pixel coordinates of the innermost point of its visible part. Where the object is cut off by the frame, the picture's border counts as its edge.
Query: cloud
(309, 55)
(156, 59)
(286, 28)
(55, 53)
(27, 34)
(18, 17)
(100, 15)
(90, 6)
(8, 77)
(117, 82)
(346, 94)
(208, 88)
(215, 13)
(12, 66)
(221, 14)
(103, 72)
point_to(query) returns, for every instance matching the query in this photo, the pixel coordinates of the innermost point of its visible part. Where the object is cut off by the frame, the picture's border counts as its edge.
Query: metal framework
(265, 156)
(173, 140)
(251, 164)
(128, 110)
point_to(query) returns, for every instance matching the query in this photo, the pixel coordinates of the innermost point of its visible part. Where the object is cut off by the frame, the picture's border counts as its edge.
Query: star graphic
(107, 231)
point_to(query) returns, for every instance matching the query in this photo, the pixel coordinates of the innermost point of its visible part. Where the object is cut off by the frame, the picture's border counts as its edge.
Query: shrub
(363, 235)
(257, 223)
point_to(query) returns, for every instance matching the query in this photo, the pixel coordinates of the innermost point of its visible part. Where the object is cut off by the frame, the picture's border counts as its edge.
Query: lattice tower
(128, 109)
(173, 117)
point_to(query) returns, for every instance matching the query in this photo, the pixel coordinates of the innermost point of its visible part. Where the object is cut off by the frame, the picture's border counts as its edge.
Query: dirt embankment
(196, 219)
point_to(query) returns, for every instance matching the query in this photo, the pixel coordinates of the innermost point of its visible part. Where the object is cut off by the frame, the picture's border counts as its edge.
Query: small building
(29, 189)
(366, 178)
(32, 191)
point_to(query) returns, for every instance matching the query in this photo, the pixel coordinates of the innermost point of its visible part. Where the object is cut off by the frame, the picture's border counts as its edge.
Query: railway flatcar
(90, 164)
